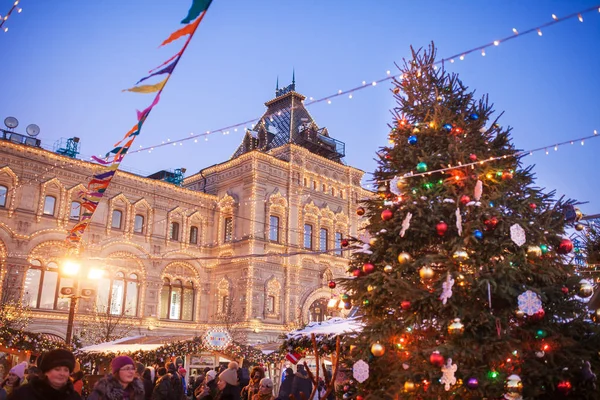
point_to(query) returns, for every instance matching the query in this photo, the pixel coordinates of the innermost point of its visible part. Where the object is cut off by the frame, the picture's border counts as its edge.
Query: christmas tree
(466, 287)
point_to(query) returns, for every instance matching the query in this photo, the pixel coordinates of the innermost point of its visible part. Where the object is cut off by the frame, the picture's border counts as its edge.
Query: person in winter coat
(302, 383)
(209, 390)
(265, 391)
(56, 367)
(253, 387)
(122, 384)
(77, 378)
(286, 386)
(148, 386)
(14, 379)
(228, 384)
(176, 384)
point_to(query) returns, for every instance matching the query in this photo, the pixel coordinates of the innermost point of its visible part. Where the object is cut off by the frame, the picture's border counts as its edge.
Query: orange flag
(186, 30)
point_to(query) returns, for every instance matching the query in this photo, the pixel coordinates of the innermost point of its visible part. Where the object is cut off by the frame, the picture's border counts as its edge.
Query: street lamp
(71, 268)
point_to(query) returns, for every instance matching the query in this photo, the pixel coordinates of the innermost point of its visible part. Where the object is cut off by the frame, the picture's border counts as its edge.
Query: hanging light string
(7, 16)
(487, 160)
(389, 76)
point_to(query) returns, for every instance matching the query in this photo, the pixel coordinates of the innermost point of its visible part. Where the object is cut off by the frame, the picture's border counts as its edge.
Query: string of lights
(491, 159)
(8, 14)
(389, 76)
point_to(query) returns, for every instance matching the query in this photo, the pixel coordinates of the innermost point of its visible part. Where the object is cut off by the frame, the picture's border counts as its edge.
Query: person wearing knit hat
(229, 384)
(56, 367)
(266, 390)
(121, 384)
(13, 380)
(209, 388)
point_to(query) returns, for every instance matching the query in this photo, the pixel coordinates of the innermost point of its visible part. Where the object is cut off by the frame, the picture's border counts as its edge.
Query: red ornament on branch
(464, 199)
(360, 211)
(386, 215)
(472, 157)
(436, 359)
(564, 387)
(490, 224)
(331, 285)
(565, 246)
(357, 273)
(441, 228)
(405, 305)
(345, 243)
(368, 268)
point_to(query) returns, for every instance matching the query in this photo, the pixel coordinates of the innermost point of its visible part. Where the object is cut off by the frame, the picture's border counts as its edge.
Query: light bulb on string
(539, 31)
(483, 52)
(496, 42)
(554, 17)
(580, 17)
(515, 31)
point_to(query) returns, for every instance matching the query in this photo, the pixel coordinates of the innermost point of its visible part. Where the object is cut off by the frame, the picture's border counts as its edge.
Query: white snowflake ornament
(448, 379)
(529, 302)
(447, 289)
(405, 224)
(517, 235)
(360, 371)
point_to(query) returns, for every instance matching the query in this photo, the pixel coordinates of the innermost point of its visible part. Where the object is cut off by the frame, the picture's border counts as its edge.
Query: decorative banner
(217, 339)
(102, 178)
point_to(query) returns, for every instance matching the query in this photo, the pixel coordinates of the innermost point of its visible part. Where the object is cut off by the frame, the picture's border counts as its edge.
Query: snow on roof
(333, 326)
(119, 346)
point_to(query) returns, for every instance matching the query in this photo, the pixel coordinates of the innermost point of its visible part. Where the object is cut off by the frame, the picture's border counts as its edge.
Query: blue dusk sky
(64, 64)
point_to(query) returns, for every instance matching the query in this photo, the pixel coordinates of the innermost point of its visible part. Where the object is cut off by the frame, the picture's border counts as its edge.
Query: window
(117, 215)
(308, 236)
(270, 306)
(138, 224)
(324, 188)
(228, 229)
(338, 244)
(3, 195)
(323, 239)
(194, 235)
(118, 295)
(333, 191)
(75, 211)
(49, 203)
(314, 185)
(174, 231)
(305, 182)
(274, 228)
(225, 304)
(177, 300)
(42, 287)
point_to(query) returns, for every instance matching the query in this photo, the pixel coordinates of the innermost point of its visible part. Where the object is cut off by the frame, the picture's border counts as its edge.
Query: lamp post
(71, 268)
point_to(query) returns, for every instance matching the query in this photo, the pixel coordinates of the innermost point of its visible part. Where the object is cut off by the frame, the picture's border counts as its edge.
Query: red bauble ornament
(441, 228)
(359, 397)
(345, 243)
(565, 246)
(472, 157)
(533, 206)
(436, 359)
(565, 290)
(507, 175)
(405, 305)
(360, 211)
(490, 224)
(564, 387)
(368, 268)
(538, 315)
(386, 215)
(464, 199)
(331, 285)
(357, 273)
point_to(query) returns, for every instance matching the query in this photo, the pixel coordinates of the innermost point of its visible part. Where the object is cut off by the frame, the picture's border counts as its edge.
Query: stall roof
(333, 326)
(132, 344)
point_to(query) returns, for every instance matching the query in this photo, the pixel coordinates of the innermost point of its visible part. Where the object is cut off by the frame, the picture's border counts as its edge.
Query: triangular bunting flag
(147, 88)
(186, 30)
(197, 7)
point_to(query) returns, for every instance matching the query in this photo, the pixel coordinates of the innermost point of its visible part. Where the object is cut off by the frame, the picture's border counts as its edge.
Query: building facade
(249, 244)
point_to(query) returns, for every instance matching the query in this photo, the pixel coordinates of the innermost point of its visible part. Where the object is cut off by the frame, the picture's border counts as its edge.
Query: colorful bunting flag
(166, 62)
(198, 6)
(166, 70)
(186, 30)
(148, 88)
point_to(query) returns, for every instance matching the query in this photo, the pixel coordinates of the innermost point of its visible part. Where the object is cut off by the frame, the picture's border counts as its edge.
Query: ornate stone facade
(239, 242)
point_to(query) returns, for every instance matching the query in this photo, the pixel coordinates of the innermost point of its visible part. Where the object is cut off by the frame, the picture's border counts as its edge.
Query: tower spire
(293, 85)
(277, 85)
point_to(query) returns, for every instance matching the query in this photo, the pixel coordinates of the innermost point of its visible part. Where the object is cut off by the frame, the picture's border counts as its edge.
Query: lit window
(177, 300)
(225, 303)
(274, 228)
(270, 305)
(49, 203)
(3, 194)
(323, 239)
(338, 243)
(138, 224)
(228, 225)
(75, 211)
(42, 287)
(174, 231)
(308, 236)
(194, 235)
(118, 295)
(117, 216)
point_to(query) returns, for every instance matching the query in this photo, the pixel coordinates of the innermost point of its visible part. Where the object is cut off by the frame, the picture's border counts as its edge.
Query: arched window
(75, 213)
(177, 300)
(42, 287)
(194, 235)
(118, 295)
(324, 188)
(224, 303)
(314, 185)
(138, 224)
(228, 229)
(117, 216)
(323, 234)
(174, 231)
(338, 244)
(3, 195)
(305, 182)
(272, 296)
(308, 232)
(49, 205)
(274, 228)
(333, 191)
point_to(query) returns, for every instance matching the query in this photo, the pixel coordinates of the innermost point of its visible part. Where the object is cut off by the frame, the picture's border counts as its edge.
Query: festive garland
(21, 340)
(303, 344)
(181, 348)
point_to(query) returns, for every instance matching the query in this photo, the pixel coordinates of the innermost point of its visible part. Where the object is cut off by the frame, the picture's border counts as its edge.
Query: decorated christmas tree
(466, 287)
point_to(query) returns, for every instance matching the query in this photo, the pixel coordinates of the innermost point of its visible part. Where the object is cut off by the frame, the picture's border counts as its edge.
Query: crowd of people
(58, 376)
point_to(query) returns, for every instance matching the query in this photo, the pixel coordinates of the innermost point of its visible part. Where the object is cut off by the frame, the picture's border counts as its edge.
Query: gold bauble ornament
(409, 386)
(456, 328)
(579, 227)
(426, 273)
(400, 184)
(514, 384)
(372, 241)
(370, 288)
(403, 257)
(578, 214)
(586, 289)
(377, 349)
(388, 269)
(520, 314)
(534, 251)
(461, 255)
